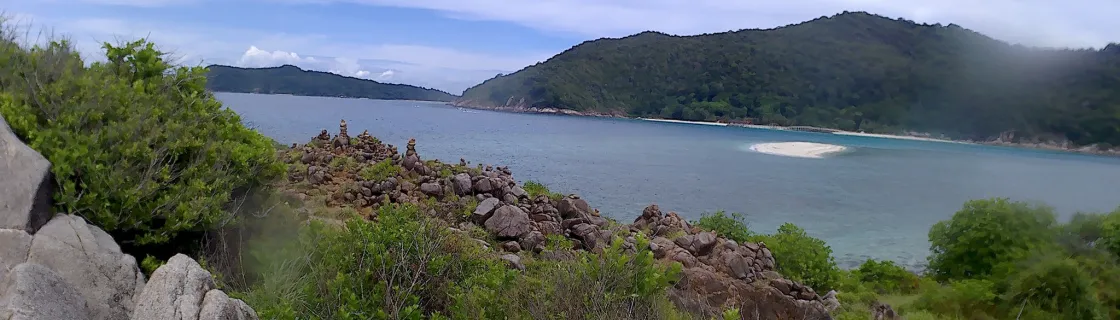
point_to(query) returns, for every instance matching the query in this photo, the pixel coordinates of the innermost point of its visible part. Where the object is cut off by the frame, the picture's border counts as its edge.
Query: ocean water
(876, 200)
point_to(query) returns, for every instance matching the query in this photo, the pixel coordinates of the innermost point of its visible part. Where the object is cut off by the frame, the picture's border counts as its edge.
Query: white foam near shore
(798, 149)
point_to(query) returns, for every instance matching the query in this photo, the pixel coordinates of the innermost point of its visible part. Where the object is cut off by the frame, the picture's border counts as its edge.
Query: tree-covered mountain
(852, 71)
(288, 79)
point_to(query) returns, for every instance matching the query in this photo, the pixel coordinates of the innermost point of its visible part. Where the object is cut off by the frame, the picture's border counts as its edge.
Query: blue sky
(453, 44)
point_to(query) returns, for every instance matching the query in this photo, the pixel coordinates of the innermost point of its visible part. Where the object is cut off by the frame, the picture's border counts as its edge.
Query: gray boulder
(31, 292)
(25, 194)
(175, 292)
(508, 222)
(87, 258)
(461, 184)
(431, 189)
(219, 306)
(14, 245)
(484, 209)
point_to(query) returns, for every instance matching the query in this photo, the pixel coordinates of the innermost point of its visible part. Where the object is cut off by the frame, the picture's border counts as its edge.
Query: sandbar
(892, 136)
(798, 149)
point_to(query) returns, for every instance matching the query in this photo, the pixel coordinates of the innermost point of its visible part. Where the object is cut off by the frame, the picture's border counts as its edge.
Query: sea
(876, 200)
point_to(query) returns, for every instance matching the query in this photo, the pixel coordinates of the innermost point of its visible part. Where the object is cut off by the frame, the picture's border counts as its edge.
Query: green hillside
(290, 79)
(852, 71)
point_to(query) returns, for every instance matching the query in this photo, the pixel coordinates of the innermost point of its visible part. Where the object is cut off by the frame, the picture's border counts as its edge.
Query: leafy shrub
(380, 171)
(1057, 285)
(962, 299)
(1108, 232)
(613, 284)
(537, 189)
(138, 147)
(405, 266)
(802, 258)
(887, 277)
(985, 236)
(731, 227)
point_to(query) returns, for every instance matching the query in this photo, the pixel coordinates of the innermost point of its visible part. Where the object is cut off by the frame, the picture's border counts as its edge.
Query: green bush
(1057, 285)
(732, 227)
(963, 299)
(138, 147)
(985, 236)
(405, 266)
(887, 277)
(535, 189)
(802, 258)
(380, 171)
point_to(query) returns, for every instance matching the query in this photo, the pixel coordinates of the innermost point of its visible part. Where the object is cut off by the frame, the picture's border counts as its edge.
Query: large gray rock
(175, 292)
(484, 209)
(25, 191)
(14, 245)
(572, 207)
(88, 259)
(219, 306)
(461, 184)
(508, 222)
(32, 292)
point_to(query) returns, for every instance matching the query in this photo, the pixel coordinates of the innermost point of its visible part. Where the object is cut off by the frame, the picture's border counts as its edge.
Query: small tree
(987, 235)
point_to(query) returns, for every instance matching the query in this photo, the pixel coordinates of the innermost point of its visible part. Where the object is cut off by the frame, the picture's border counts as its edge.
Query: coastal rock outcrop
(181, 289)
(717, 273)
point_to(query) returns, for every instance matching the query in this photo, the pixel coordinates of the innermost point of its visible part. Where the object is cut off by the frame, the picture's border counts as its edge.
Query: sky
(454, 44)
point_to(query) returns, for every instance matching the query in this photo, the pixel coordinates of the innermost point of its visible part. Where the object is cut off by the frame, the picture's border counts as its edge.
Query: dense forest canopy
(851, 71)
(290, 79)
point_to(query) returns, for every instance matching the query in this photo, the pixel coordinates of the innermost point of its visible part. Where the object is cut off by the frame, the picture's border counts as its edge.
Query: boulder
(484, 186)
(511, 246)
(219, 306)
(513, 261)
(831, 303)
(533, 241)
(461, 184)
(14, 245)
(431, 189)
(573, 207)
(88, 259)
(698, 244)
(31, 292)
(519, 192)
(508, 222)
(25, 194)
(484, 209)
(182, 290)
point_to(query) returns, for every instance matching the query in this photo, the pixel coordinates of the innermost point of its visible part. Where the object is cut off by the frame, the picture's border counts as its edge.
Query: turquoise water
(876, 200)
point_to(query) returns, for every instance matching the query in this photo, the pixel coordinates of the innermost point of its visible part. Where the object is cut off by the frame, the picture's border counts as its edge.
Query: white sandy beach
(707, 123)
(798, 149)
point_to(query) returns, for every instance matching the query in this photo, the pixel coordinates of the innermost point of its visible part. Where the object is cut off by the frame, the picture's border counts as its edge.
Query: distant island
(853, 71)
(289, 79)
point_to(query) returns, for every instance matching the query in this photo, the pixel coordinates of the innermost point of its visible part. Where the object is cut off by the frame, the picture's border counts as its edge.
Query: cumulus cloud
(257, 58)
(1033, 22)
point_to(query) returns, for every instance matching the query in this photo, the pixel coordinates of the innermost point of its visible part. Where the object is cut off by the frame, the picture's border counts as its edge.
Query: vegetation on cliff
(851, 71)
(288, 79)
(349, 228)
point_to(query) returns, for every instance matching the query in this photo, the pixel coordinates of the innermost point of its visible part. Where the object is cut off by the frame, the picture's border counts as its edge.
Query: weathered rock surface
(182, 290)
(31, 291)
(88, 259)
(26, 187)
(508, 222)
(14, 246)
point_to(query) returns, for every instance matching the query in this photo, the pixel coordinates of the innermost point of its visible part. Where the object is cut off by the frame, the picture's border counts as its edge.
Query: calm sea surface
(876, 201)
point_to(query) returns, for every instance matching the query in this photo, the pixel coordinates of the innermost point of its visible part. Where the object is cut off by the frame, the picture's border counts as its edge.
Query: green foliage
(887, 277)
(289, 79)
(960, 299)
(732, 227)
(731, 314)
(985, 236)
(150, 264)
(1108, 232)
(537, 189)
(403, 267)
(380, 171)
(138, 147)
(344, 163)
(802, 258)
(872, 74)
(1057, 285)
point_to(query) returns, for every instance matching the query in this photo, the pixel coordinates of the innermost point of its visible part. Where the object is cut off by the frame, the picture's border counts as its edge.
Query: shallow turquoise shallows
(876, 200)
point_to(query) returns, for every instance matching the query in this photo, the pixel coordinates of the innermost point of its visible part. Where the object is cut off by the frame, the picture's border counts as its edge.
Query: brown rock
(508, 222)
(511, 246)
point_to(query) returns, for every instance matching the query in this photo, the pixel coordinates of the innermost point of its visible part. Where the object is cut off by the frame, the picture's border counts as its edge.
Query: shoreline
(1084, 150)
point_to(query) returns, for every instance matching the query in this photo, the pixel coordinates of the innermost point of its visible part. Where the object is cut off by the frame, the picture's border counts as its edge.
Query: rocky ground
(361, 173)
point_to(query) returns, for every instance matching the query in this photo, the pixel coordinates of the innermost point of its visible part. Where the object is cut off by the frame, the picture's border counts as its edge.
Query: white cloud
(257, 58)
(1033, 22)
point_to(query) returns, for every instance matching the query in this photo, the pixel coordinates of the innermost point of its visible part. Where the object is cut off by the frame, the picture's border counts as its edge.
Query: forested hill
(290, 79)
(852, 71)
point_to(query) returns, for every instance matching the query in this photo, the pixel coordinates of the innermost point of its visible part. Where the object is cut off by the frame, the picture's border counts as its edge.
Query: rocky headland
(363, 173)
